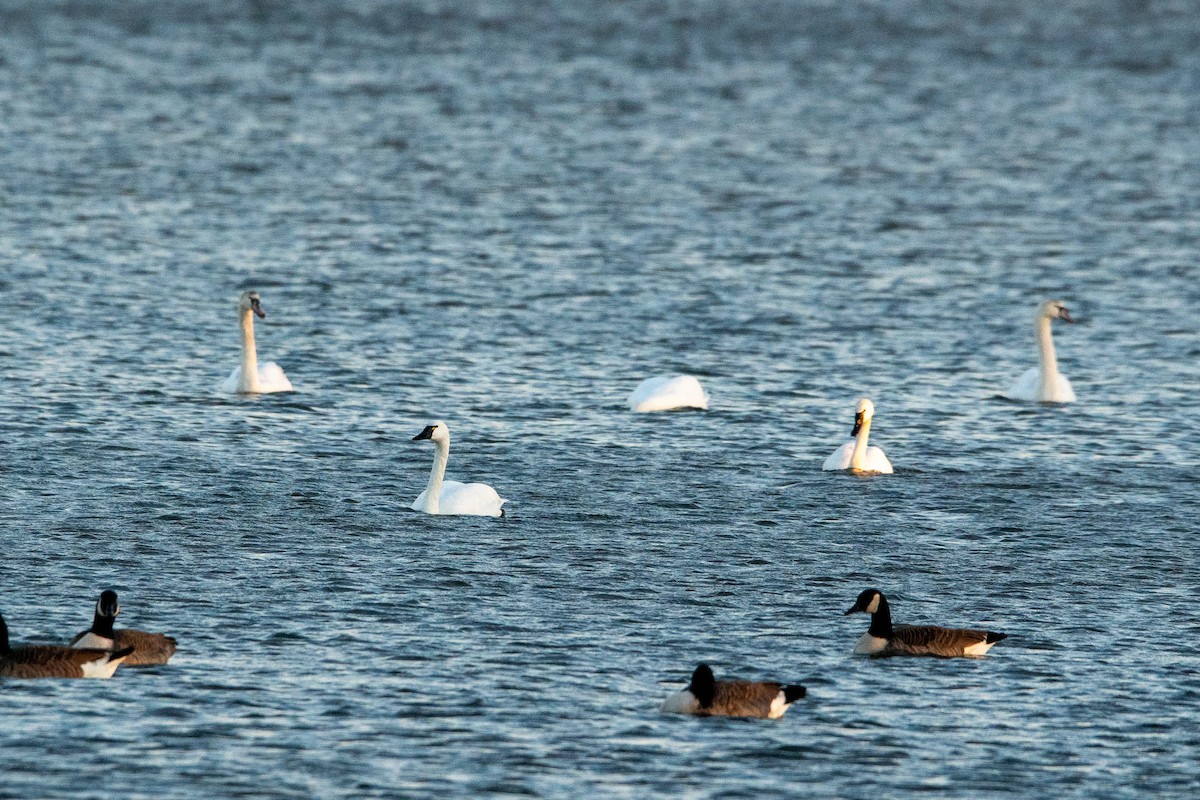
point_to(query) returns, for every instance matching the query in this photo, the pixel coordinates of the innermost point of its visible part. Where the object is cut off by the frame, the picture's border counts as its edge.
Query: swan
(451, 497)
(668, 392)
(706, 696)
(1044, 383)
(856, 455)
(883, 639)
(250, 377)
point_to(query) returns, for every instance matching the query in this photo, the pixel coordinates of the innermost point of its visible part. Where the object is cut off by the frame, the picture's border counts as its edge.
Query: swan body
(55, 661)
(148, 648)
(883, 639)
(1044, 383)
(856, 454)
(250, 377)
(667, 393)
(452, 497)
(707, 697)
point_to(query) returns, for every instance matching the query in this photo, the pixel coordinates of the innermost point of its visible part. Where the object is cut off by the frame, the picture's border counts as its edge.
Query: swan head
(864, 412)
(250, 301)
(867, 603)
(1054, 309)
(436, 431)
(107, 605)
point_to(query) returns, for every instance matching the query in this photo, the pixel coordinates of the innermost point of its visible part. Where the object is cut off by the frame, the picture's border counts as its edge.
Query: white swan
(667, 392)
(1044, 383)
(856, 455)
(451, 497)
(250, 376)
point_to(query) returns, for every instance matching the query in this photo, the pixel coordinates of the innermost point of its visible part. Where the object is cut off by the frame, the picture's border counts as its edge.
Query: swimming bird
(667, 393)
(884, 639)
(451, 497)
(707, 697)
(55, 661)
(149, 648)
(251, 377)
(1044, 383)
(856, 455)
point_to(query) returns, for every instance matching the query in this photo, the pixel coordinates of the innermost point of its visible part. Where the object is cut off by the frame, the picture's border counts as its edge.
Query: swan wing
(1025, 387)
(840, 458)
(272, 379)
(230, 384)
(474, 499)
(665, 393)
(877, 461)
(1063, 393)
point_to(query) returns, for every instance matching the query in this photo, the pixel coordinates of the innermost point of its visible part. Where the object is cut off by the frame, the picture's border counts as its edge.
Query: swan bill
(256, 307)
(425, 434)
(858, 421)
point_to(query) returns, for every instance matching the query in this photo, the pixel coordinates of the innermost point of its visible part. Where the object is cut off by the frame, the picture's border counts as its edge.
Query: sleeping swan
(250, 377)
(667, 393)
(451, 497)
(1044, 383)
(855, 455)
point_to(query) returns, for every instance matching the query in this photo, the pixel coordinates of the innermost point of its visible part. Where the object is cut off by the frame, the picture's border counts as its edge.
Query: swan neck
(881, 620)
(1047, 360)
(858, 458)
(433, 492)
(249, 354)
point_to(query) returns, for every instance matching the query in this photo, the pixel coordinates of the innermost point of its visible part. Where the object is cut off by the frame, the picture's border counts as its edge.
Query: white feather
(667, 393)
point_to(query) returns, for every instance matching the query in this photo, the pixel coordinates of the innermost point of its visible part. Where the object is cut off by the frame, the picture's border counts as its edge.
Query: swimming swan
(855, 455)
(250, 377)
(451, 497)
(1044, 383)
(883, 639)
(707, 697)
(667, 393)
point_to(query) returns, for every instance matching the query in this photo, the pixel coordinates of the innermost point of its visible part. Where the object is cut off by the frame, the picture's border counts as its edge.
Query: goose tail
(120, 655)
(991, 637)
(793, 693)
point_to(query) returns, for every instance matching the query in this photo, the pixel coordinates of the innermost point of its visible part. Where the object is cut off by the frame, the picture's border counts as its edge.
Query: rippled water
(507, 214)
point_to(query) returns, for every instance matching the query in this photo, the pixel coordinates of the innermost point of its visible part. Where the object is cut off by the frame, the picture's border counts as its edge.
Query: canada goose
(856, 455)
(452, 497)
(249, 377)
(667, 393)
(707, 697)
(55, 661)
(149, 648)
(1044, 383)
(884, 639)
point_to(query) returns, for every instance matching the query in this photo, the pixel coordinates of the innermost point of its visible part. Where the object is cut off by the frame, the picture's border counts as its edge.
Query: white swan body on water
(667, 393)
(855, 454)
(451, 497)
(1044, 383)
(250, 377)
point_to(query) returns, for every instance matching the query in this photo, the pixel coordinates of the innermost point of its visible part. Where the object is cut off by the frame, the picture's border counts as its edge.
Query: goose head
(107, 605)
(1054, 309)
(703, 685)
(868, 602)
(250, 301)
(864, 412)
(436, 431)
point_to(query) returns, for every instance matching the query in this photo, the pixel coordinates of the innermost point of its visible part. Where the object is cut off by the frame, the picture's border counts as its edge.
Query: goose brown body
(54, 661)
(883, 639)
(149, 649)
(707, 697)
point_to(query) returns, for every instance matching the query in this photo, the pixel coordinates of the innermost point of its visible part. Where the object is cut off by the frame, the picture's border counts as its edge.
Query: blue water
(505, 215)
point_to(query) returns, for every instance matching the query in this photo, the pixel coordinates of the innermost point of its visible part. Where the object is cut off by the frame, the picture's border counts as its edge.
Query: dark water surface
(506, 215)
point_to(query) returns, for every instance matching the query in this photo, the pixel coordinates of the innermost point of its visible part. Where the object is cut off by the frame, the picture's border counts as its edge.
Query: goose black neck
(4, 648)
(881, 620)
(103, 625)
